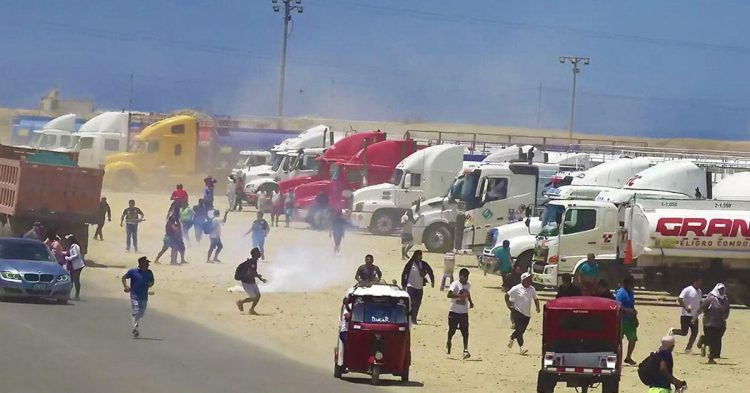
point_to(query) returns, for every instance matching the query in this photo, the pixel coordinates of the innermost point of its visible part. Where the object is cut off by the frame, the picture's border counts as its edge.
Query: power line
(431, 15)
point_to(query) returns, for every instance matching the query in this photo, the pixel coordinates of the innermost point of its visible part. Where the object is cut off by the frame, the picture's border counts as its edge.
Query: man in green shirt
(504, 262)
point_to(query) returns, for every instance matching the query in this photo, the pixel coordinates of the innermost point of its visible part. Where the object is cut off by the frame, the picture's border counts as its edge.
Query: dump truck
(48, 187)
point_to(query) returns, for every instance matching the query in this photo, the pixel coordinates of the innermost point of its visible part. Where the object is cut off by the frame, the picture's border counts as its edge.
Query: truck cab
(102, 136)
(424, 174)
(167, 147)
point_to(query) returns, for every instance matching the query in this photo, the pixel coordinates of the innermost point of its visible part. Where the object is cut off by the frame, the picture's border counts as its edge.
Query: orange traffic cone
(629, 253)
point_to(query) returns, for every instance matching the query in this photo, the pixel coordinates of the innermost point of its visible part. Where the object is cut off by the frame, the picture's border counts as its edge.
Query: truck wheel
(375, 375)
(524, 260)
(438, 238)
(383, 223)
(611, 387)
(337, 371)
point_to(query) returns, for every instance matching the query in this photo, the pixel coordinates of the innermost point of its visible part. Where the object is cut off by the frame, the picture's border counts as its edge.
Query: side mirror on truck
(407, 180)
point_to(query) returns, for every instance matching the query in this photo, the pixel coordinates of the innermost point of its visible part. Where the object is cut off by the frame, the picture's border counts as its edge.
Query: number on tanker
(723, 205)
(669, 204)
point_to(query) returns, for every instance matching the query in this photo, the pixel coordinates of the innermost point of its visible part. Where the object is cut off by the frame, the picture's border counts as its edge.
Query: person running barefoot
(246, 273)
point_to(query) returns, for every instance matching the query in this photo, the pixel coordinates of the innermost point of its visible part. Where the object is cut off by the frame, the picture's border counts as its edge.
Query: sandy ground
(300, 305)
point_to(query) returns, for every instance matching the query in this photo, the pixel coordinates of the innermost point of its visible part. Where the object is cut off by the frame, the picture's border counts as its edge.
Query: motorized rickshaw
(581, 344)
(374, 335)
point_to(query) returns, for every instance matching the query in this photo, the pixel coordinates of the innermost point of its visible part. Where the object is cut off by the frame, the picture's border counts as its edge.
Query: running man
(141, 279)
(215, 237)
(458, 316)
(132, 217)
(259, 229)
(690, 302)
(518, 299)
(626, 297)
(246, 273)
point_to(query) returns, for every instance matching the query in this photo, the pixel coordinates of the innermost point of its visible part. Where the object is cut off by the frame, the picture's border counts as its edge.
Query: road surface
(87, 347)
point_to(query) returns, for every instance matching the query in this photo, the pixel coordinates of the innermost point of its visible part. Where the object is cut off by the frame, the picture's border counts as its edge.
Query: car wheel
(62, 301)
(438, 238)
(405, 376)
(337, 371)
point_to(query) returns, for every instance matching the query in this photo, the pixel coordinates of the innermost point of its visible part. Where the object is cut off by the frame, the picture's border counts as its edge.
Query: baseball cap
(143, 260)
(525, 276)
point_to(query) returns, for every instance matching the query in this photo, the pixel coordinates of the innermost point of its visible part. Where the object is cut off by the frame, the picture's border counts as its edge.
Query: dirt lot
(301, 301)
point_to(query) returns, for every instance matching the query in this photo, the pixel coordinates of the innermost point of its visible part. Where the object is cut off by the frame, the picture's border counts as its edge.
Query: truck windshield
(36, 139)
(277, 162)
(468, 190)
(48, 141)
(396, 178)
(335, 171)
(551, 219)
(379, 313)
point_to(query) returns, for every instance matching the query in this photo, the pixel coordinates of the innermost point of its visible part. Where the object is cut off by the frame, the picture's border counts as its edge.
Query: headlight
(63, 278)
(10, 276)
(378, 355)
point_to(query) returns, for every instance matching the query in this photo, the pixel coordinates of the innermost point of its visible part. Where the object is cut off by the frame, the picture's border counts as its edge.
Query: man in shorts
(626, 297)
(246, 273)
(259, 231)
(458, 316)
(407, 236)
(215, 236)
(141, 280)
(690, 302)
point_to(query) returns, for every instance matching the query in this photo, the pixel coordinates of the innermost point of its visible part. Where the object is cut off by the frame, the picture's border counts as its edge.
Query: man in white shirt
(458, 316)
(690, 302)
(518, 299)
(215, 237)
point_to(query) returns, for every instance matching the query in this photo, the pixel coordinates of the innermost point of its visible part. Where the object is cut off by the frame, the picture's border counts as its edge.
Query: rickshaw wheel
(337, 371)
(405, 376)
(375, 375)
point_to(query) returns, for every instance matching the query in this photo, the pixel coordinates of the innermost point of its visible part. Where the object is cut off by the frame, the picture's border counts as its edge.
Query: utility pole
(288, 7)
(574, 60)
(130, 96)
(539, 107)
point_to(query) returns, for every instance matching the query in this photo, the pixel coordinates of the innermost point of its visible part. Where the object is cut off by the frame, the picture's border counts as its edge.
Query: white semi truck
(55, 133)
(100, 137)
(424, 174)
(670, 180)
(664, 241)
(294, 156)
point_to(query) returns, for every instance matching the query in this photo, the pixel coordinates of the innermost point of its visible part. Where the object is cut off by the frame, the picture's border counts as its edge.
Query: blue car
(28, 269)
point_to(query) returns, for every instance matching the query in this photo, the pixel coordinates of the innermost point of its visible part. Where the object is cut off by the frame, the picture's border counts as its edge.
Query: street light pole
(289, 6)
(574, 61)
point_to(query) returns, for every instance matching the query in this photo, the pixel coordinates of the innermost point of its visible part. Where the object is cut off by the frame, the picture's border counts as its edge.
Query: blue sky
(668, 68)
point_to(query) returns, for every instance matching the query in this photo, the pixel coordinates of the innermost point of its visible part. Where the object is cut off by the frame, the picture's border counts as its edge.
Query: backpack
(649, 368)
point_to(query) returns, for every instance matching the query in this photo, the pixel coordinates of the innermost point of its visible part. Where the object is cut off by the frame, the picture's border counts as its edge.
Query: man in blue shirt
(141, 279)
(259, 232)
(626, 297)
(504, 262)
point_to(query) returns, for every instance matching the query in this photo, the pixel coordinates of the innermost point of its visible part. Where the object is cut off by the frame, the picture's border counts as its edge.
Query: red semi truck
(341, 151)
(373, 164)
(50, 188)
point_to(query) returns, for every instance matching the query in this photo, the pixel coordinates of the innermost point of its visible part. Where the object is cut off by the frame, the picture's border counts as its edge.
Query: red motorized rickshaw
(581, 344)
(374, 335)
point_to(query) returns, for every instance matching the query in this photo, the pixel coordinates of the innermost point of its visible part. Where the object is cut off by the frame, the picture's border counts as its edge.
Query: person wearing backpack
(657, 370)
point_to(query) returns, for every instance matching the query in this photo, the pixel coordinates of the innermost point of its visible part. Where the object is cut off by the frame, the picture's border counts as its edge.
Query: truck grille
(33, 277)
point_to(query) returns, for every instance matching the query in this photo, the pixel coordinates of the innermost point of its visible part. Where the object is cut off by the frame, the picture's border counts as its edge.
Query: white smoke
(305, 263)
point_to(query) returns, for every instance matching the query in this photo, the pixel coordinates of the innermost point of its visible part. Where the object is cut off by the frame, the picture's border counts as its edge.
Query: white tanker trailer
(663, 242)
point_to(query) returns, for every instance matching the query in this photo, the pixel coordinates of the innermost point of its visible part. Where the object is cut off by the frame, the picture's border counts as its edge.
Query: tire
(383, 223)
(375, 375)
(405, 376)
(438, 238)
(611, 387)
(337, 371)
(62, 301)
(524, 260)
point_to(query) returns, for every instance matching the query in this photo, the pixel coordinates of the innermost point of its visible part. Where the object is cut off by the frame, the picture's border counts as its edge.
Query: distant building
(53, 104)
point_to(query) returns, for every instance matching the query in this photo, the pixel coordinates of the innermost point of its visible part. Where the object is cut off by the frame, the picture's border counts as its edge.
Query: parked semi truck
(50, 188)
(670, 180)
(664, 241)
(55, 133)
(424, 174)
(587, 185)
(373, 164)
